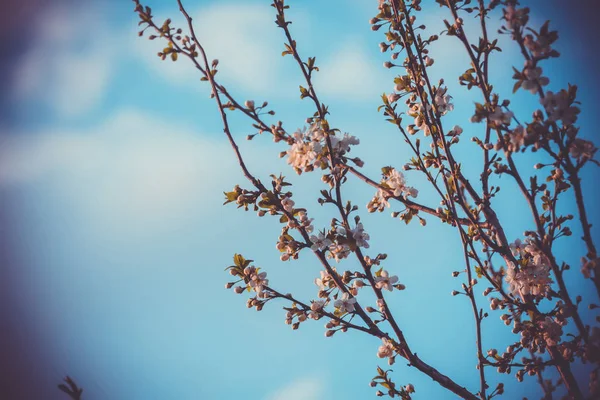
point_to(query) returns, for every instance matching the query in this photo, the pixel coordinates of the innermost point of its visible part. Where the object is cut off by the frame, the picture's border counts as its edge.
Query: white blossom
(315, 308)
(582, 149)
(517, 138)
(319, 242)
(500, 117)
(338, 251)
(551, 331)
(534, 79)
(558, 107)
(305, 222)
(515, 17)
(442, 101)
(533, 276)
(395, 182)
(378, 202)
(257, 281)
(345, 304)
(385, 281)
(386, 349)
(360, 236)
(287, 204)
(539, 46)
(323, 281)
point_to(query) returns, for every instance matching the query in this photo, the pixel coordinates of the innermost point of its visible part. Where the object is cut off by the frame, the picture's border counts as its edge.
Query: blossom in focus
(378, 202)
(257, 281)
(319, 242)
(395, 182)
(315, 308)
(345, 304)
(442, 101)
(533, 275)
(386, 349)
(323, 281)
(531, 279)
(338, 251)
(385, 281)
(360, 236)
(342, 146)
(287, 204)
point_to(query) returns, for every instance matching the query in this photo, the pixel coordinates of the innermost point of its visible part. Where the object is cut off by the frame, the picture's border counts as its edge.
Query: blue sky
(114, 239)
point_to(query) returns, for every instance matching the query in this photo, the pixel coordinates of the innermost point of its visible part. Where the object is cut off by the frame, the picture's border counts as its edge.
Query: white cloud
(351, 74)
(134, 170)
(243, 37)
(70, 61)
(300, 389)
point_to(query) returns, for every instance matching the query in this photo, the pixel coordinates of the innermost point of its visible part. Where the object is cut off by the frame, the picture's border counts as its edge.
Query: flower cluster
(325, 281)
(533, 275)
(418, 111)
(338, 251)
(257, 280)
(393, 181)
(442, 101)
(360, 236)
(287, 245)
(499, 117)
(309, 147)
(341, 146)
(516, 17)
(559, 106)
(345, 304)
(387, 349)
(532, 78)
(517, 138)
(316, 308)
(342, 241)
(551, 331)
(305, 149)
(539, 45)
(320, 242)
(383, 280)
(582, 149)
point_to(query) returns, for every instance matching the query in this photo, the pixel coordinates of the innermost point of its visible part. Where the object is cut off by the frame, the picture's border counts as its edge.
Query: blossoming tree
(522, 279)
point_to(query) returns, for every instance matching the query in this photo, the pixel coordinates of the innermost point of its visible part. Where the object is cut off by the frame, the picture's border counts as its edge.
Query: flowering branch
(537, 309)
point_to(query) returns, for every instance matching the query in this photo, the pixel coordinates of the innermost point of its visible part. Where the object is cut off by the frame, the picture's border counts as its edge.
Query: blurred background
(113, 237)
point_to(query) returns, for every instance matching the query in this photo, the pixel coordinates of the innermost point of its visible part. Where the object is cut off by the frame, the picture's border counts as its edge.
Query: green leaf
(239, 260)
